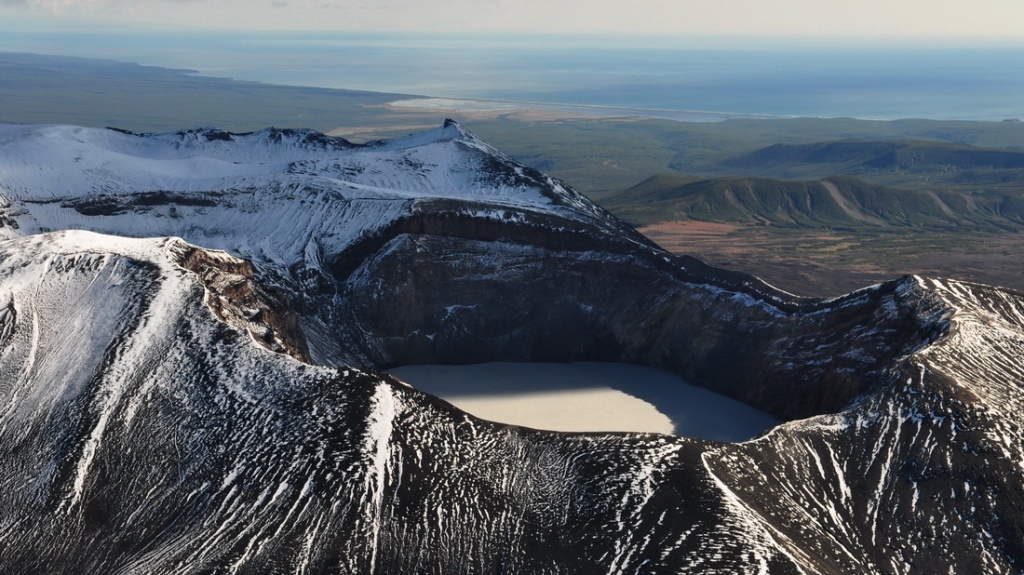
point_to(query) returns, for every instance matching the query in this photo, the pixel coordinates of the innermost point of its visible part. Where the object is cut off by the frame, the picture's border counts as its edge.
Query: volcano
(195, 329)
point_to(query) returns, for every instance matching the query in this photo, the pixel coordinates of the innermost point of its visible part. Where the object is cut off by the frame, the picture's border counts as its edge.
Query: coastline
(489, 109)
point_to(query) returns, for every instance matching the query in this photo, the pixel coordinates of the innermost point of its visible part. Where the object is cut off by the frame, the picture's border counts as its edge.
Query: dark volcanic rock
(471, 301)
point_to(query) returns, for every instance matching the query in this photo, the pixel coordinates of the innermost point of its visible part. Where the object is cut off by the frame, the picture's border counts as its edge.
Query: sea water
(662, 77)
(649, 77)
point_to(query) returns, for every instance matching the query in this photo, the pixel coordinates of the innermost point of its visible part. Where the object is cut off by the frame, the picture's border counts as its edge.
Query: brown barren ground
(828, 263)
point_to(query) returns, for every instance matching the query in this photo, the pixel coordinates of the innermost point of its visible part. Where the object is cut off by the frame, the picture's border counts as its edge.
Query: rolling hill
(931, 162)
(837, 202)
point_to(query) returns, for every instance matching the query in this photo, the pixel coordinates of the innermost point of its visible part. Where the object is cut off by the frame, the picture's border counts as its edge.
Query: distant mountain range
(837, 202)
(193, 324)
(947, 162)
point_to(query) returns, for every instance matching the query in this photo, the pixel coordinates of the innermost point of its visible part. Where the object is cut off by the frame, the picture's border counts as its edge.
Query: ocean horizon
(680, 79)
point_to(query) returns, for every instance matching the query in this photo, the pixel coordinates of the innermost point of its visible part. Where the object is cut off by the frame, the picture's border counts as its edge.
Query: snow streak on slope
(917, 476)
(179, 446)
(134, 438)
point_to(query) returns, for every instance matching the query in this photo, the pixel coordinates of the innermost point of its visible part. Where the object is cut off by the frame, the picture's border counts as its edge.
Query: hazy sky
(821, 18)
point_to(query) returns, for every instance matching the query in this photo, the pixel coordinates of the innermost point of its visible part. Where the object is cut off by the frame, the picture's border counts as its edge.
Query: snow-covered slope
(305, 208)
(275, 195)
(167, 407)
(921, 475)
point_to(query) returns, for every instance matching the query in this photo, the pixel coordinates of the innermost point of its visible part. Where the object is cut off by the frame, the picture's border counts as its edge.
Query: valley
(833, 262)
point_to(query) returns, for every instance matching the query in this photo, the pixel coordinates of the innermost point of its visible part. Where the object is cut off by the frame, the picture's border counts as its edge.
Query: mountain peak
(449, 131)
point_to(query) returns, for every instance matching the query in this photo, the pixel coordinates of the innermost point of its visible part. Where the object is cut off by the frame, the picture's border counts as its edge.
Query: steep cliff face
(471, 301)
(153, 421)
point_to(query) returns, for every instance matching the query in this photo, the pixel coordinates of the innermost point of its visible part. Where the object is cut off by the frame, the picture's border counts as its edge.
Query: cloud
(71, 5)
(55, 5)
(672, 17)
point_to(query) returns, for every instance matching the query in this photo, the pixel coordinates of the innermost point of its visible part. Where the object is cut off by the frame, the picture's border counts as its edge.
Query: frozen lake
(589, 397)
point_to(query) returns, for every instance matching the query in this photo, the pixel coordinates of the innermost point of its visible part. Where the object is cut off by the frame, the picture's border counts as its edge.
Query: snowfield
(259, 187)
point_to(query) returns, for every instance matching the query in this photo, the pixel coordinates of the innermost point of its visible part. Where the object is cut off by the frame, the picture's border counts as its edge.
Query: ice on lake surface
(589, 396)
